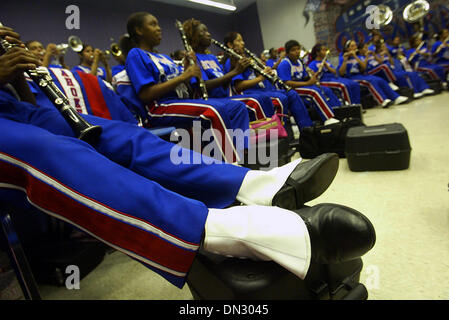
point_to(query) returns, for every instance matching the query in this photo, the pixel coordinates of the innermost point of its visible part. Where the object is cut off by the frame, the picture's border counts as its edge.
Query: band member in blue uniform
(89, 63)
(353, 66)
(126, 192)
(47, 54)
(217, 80)
(328, 77)
(421, 60)
(161, 87)
(250, 83)
(407, 79)
(87, 93)
(275, 58)
(398, 53)
(440, 49)
(293, 72)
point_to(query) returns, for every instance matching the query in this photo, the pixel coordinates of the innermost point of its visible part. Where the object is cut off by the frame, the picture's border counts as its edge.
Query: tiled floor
(409, 209)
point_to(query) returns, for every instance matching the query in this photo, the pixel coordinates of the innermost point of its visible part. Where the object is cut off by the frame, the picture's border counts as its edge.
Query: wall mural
(337, 21)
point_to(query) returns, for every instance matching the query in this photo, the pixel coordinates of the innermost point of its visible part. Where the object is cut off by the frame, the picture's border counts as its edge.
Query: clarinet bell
(91, 135)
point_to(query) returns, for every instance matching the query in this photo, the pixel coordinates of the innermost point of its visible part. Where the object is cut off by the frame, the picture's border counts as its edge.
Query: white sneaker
(385, 103)
(400, 99)
(428, 91)
(393, 86)
(331, 121)
(418, 95)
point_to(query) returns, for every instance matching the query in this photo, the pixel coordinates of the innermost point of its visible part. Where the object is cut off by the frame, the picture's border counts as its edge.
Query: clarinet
(416, 51)
(322, 64)
(442, 45)
(82, 129)
(188, 48)
(262, 65)
(310, 72)
(253, 65)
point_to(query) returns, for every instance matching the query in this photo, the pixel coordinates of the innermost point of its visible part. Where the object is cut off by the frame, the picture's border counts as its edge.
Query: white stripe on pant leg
(260, 233)
(259, 187)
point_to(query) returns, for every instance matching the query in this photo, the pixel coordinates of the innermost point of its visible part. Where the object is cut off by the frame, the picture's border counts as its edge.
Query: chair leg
(18, 259)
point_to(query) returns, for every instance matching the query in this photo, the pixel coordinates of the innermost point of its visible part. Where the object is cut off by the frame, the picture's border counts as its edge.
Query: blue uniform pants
(126, 192)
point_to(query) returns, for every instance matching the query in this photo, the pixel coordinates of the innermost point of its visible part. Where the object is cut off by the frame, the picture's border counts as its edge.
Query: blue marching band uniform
(285, 100)
(349, 89)
(322, 98)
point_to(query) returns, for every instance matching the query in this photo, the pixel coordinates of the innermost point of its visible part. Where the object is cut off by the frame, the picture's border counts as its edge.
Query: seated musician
(47, 54)
(89, 63)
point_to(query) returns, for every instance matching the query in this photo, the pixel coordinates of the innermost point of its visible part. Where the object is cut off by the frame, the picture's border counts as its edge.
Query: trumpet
(75, 43)
(115, 50)
(62, 48)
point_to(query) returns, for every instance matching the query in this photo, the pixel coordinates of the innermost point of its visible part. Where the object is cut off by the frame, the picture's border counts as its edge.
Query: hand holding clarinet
(15, 60)
(190, 56)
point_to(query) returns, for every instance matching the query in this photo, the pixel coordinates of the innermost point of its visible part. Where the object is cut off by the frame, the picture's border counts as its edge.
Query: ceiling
(240, 4)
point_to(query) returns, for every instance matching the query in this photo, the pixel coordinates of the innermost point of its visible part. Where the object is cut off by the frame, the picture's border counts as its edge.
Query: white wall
(282, 20)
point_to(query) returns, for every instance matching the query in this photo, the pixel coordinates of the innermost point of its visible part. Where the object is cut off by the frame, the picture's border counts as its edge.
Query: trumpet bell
(75, 44)
(416, 10)
(115, 50)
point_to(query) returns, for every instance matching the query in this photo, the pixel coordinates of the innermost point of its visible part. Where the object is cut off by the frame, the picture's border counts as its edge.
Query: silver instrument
(253, 65)
(385, 15)
(415, 12)
(262, 66)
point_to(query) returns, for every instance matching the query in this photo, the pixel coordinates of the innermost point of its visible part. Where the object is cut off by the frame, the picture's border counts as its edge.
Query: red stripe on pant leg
(226, 143)
(429, 71)
(260, 114)
(378, 70)
(339, 86)
(130, 238)
(321, 104)
(389, 73)
(94, 95)
(391, 77)
(373, 90)
(277, 104)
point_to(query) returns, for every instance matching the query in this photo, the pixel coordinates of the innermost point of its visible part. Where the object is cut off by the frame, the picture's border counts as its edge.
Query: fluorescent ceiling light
(217, 4)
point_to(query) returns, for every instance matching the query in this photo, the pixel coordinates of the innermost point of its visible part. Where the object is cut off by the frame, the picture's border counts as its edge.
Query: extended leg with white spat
(323, 234)
(291, 185)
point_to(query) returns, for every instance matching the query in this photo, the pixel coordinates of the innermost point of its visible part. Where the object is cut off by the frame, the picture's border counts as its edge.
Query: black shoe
(337, 233)
(307, 181)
